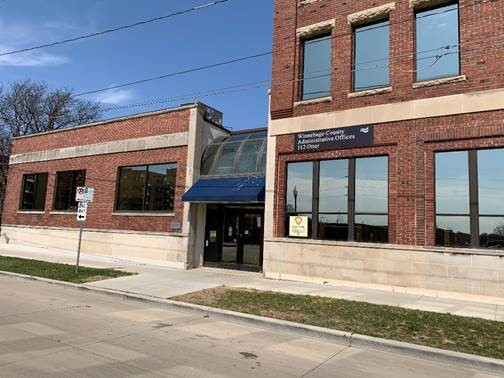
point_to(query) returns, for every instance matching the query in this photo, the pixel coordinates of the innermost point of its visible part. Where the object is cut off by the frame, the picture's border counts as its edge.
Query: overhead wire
(269, 83)
(116, 29)
(266, 53)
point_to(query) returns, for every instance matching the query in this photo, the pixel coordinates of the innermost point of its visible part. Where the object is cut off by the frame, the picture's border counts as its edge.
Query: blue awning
(227, 190)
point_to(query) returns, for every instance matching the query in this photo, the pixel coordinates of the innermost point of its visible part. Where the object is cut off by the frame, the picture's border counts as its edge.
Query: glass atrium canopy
(241, 154)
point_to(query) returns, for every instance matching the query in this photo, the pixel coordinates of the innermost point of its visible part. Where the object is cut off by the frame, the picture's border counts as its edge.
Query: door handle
(206, 243)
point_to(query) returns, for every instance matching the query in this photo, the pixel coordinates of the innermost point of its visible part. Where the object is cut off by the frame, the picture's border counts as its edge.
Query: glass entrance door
(234, 238)
(230, 238)
(251, 238)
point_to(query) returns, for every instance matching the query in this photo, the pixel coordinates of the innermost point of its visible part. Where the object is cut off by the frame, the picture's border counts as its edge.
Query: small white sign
(84, 194)
(82, 211)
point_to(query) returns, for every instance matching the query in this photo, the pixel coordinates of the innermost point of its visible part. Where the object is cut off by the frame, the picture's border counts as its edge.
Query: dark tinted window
(316, 79)
(34, 190)
(491, 181)
(352, 198)
(333, 187)
(66, 186)
(371, 56)
(299, 187)
(160, 187)
(453, 223)
(371, 200)
(333, 200)
(452, 183)
(491, 198)
(146, 188)
(437, 42)
(371, 185)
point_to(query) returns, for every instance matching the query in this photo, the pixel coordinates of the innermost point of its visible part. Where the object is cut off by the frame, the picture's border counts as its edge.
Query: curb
(345, 338)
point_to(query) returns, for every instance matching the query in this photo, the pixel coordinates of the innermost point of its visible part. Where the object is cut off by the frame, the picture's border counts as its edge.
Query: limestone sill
(314, 101)
(370, 92)
(305, 2)
(141, 214)
(444, 80)
(30, 212)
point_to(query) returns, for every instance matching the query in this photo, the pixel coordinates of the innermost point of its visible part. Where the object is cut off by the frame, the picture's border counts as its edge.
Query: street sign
(82, 211)
(84, 194)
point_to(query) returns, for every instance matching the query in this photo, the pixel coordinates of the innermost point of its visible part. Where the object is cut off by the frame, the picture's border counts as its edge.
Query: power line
(183, 72)
(119, 28)
(265, 53)
(266, 83)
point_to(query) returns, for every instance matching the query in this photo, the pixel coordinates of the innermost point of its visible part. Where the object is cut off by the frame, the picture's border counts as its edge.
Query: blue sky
(226, 31)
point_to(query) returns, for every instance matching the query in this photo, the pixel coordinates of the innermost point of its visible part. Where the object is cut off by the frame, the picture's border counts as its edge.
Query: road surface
(52, 331)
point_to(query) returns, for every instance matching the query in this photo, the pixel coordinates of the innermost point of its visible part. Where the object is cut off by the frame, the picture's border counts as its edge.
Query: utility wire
(239, 88)
(119, 28)
(183, 72)
(266, 53)
(267, 83)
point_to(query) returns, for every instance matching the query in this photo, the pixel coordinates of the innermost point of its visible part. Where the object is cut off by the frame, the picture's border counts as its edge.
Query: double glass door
(234, 238)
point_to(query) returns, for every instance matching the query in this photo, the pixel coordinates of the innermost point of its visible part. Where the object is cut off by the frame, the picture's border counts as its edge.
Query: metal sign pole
(83, 195)
(79, 247)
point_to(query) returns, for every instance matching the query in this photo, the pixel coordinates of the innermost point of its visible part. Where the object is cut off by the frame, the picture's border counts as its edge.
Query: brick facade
(101, 172)
(129, 128)
(410, 147)
(480, 25)
(409, 144)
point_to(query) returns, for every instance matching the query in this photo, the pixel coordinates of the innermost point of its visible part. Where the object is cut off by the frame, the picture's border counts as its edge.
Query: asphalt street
(52, 331)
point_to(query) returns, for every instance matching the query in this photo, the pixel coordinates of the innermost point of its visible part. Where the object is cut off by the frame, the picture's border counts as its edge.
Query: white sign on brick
(84, 194)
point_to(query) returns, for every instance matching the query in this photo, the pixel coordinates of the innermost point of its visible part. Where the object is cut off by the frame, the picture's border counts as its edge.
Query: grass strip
(56, 271)
(457, 333)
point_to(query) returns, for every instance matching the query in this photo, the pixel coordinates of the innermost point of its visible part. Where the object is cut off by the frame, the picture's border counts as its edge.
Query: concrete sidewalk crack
(324, 362)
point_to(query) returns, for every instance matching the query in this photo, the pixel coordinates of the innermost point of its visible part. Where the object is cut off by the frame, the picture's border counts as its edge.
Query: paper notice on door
(213, 236)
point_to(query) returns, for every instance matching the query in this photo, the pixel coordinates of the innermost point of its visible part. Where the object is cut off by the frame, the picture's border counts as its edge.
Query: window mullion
(473, 198)
(315, 196)
(351, 199)
(146, 183)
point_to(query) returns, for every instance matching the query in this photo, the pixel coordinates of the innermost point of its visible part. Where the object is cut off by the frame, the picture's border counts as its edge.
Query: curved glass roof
(239, 155)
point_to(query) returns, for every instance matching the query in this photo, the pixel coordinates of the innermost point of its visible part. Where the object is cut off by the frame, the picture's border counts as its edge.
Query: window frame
(351, 211)
(143, 211)
(415, 41)
(474, 199)
(23, 183)
(69, 210)
(301, 76)
(354, 50)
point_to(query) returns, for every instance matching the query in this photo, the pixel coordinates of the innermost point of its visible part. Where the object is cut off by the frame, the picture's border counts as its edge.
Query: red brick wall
(101, 172)
(483, 67)
(410, 146)
(138, 127)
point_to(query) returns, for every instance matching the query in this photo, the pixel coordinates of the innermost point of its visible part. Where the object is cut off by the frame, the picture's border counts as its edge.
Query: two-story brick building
(167, 184)
(386, 144)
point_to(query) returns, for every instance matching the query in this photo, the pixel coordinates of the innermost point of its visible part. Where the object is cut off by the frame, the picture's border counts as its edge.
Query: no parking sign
(84, 194)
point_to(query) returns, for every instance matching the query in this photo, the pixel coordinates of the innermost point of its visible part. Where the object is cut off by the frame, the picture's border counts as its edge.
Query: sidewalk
(165, 282)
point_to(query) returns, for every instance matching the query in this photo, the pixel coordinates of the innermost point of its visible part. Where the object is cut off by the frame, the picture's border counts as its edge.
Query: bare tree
(29, 107)
(499, 230)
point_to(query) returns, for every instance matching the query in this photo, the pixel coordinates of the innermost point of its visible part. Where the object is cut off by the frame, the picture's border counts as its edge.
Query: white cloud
(21, 35)
(115, 96)
(30, 59)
